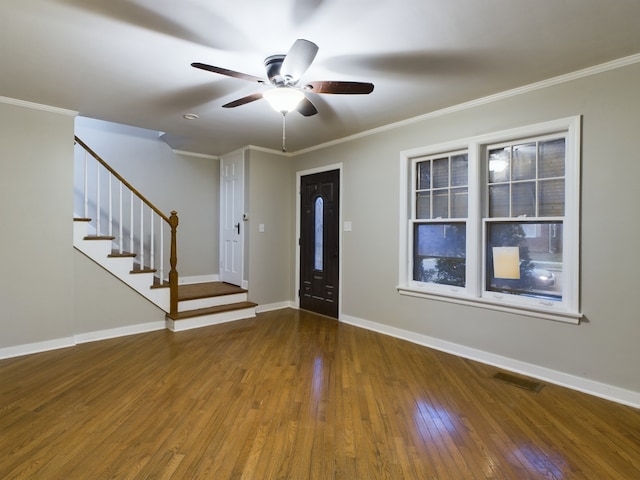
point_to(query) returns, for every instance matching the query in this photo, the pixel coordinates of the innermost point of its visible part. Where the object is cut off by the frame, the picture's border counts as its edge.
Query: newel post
(173, 260)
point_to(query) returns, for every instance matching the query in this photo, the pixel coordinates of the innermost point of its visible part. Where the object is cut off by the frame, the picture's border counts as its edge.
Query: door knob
(238, 227)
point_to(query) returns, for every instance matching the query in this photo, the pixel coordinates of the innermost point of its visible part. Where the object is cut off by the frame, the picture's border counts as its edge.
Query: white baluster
(131, 245)
(152, 258)
(120, 219)
(161, 252)
(98, 230)
(86, 185)
(141, 234)
(110, 206)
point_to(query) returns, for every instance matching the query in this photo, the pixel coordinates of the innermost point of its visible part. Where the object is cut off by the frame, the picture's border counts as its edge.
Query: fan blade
(243, 101)
(306, 108)
(340, 88)
(228, 73)
(297, 61)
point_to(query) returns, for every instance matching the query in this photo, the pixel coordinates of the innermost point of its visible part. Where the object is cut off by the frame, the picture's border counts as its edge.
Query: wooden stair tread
(194, 291)
(99, 237)
(116, 254)
(143, 270)
(158, 284)
(198, 312)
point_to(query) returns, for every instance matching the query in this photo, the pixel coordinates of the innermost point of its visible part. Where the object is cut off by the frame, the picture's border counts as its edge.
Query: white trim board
(268, 307)
(584, 385)
(38, 106)
(66, 342)
(214, 277)
(119, 332)
(37, 347)
(585, 72)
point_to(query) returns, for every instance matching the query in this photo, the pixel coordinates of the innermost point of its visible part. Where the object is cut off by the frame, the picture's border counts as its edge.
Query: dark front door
(319, 242)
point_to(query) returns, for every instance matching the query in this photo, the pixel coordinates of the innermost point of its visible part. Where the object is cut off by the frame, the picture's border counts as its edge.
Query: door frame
(299, 175)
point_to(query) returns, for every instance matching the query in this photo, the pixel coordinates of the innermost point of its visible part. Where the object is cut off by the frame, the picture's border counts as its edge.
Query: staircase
(133, 251)
(199, 304)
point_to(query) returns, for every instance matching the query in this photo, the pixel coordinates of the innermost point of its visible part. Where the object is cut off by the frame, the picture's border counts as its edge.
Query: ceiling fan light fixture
(283, 99)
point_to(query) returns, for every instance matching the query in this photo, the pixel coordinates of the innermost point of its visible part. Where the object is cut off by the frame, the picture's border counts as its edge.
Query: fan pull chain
(284, 136)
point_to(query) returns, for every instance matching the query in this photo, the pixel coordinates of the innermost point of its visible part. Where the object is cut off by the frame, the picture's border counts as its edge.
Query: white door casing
(231, 224)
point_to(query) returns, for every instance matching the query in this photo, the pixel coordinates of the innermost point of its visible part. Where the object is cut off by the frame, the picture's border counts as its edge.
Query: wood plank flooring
(291, 395)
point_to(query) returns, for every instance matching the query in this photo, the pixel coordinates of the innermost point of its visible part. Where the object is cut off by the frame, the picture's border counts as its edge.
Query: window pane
(441, 173)
(459, 202)
(552, 154)
(319, 234)
(525, 259)
(524, 161)
(439, 253)
(523, 199)
(441, 204)
(459, 170)
(551, 198)
(423, 205)
(499, 165)
(424, 175)
(499, 201)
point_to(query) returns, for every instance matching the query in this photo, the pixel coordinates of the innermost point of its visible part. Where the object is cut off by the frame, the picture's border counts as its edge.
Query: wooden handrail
(172, 221)
(124, 182)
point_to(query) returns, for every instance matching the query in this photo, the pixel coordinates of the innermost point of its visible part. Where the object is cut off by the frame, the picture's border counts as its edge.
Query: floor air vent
(529, 385)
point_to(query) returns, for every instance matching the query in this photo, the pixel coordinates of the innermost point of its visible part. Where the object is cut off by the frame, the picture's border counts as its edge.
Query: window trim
(474, 294)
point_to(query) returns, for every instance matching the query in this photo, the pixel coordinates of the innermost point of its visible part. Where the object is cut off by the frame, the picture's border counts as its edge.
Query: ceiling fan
(284, 73)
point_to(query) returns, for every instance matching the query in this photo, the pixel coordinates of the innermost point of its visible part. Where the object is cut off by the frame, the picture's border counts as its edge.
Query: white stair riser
(207, 320)
(186, 305)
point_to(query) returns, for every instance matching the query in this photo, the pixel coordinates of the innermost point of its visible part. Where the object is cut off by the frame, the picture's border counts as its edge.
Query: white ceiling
(128, 61)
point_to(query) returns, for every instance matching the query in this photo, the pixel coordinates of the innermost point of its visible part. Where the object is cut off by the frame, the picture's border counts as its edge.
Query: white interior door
(231, 224)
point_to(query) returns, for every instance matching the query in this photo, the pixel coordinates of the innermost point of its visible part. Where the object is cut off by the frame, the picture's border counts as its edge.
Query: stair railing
(135, 225)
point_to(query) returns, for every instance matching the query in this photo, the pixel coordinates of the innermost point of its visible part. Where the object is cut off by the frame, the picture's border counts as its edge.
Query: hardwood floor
(291, 395)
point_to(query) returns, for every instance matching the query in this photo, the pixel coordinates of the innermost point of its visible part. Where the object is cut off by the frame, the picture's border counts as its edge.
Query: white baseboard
(118, 332)
(591, 387)
(37, 347)
(273, 306)
(48, 345)
(214, 277)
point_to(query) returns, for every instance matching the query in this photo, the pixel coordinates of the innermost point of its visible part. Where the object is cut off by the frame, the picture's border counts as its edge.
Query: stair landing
(192, 291)
(209, 303)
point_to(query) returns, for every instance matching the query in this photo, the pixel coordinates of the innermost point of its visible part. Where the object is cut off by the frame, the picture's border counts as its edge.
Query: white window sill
(499, 305)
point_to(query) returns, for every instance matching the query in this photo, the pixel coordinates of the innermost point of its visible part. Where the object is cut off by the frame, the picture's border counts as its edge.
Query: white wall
(36, 284)
(104, 306)
(187, 184)
(604, 347)
(270, 187)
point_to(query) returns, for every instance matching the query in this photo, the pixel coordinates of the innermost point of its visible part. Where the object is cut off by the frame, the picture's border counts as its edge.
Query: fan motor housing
(272, 65)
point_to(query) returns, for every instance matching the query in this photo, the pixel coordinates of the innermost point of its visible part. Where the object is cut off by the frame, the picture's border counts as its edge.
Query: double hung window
(439, 229)
(493, 221)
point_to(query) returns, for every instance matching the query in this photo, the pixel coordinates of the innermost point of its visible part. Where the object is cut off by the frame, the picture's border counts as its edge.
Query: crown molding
(568, 77)
(38, 106)
(185, 153)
